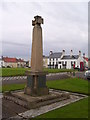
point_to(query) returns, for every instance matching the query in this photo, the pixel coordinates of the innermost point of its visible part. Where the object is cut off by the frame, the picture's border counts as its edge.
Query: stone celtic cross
(36, 78)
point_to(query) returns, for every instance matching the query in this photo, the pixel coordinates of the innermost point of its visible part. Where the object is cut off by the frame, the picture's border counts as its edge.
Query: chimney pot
(63, 52)
(79, 53)
(51, 52)
(83, 54)
(71, 53)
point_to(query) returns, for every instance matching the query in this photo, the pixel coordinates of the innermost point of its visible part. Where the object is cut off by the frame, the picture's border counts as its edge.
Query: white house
(28, 63)
(1, 62)
(45, 61)
(62, 61)
(89, 63)
(85, 60)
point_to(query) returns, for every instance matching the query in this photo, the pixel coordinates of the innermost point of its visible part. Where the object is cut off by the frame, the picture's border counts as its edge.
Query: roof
(70, 57)
(55, 55)
(6, 59)
(86, 58)
(20, 60)
(14, 60)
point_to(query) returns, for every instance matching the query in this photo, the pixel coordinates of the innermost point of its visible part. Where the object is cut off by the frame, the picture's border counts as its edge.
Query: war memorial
(36, 96)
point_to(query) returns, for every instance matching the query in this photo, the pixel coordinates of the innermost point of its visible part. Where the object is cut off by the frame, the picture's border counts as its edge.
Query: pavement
(11, 109)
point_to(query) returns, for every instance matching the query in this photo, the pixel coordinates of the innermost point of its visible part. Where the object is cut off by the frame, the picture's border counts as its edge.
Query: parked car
(86, 68)
(87, 74)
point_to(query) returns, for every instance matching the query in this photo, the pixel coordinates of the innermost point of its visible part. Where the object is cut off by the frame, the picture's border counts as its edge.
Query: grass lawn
(74, 110)
(21, 71)
(70, 84)
(58, 70)
(13, 71)
(12, 87)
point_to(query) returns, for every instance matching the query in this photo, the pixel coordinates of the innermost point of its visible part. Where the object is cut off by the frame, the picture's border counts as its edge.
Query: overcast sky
(65, 27)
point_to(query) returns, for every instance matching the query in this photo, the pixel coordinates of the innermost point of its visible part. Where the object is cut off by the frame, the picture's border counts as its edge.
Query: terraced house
(62, 61)
(13, 62)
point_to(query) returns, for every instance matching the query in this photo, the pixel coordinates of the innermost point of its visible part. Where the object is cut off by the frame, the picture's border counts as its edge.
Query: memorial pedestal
(36, 84)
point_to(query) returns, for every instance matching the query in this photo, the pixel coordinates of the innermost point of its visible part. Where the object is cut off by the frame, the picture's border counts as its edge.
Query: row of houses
(58, 60)
(61, 60)
(13, 62)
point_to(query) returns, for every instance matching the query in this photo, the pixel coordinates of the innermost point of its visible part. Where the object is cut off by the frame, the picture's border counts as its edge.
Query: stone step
(47, 102)
(42, 101)
(16, 100)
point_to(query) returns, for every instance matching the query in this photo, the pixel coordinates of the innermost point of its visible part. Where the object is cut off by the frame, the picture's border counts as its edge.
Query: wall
(11, 64)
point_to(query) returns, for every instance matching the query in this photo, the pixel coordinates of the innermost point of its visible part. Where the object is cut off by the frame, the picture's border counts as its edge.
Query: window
(56, 63)
(62, 62)
(59, 62)
(56, 59)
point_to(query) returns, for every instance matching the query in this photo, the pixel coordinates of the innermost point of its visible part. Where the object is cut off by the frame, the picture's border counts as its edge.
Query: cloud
(65, 26)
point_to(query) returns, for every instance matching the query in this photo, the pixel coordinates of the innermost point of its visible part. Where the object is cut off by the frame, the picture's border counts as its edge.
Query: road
(22, 79)
(57, 76)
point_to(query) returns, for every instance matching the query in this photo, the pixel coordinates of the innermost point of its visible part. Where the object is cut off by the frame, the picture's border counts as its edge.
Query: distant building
(85, 60)
(12, 62)
(58, 60)
(89, 63)
(45, 61)
(28, 63)
(62, 61)
(21, 63)
(1, 62)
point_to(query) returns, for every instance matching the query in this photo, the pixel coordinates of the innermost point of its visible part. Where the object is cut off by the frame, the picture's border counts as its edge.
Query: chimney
(63, 52)
(79, 53)
(83, 55)
(51, 52)
(71, 53)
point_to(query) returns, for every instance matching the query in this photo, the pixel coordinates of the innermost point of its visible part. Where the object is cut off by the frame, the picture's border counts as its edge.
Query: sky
(65, 27)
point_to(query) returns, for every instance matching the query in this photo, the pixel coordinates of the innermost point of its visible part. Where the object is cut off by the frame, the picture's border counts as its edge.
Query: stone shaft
(37, 50)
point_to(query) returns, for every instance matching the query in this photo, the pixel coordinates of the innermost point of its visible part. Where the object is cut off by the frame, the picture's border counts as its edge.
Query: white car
(87, 74)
